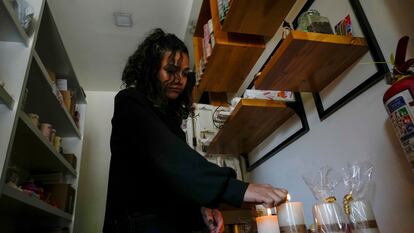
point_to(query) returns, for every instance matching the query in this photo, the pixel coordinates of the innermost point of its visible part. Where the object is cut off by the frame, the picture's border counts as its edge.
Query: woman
(155, 177)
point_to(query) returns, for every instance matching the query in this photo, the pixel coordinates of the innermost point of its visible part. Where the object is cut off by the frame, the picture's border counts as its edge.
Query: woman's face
(173, 73)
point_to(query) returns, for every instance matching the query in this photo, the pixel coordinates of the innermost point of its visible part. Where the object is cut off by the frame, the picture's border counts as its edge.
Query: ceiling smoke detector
(123, 19)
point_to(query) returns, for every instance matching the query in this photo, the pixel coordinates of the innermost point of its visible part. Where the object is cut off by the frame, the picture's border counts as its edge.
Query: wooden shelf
(17, 202)
(41, 100)
(262, 17)
(11, 30)
(248, 125)
(5, 98)
(34, 152)
(232, 57)
(307, 62)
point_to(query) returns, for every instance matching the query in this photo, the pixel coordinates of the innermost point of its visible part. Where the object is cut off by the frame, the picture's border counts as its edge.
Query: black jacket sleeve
(187, 172)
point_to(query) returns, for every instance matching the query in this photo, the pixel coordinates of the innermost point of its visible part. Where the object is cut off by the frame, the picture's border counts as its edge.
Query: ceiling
(98, 49)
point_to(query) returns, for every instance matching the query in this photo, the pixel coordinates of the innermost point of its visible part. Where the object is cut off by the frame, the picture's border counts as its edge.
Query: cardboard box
(61, 194)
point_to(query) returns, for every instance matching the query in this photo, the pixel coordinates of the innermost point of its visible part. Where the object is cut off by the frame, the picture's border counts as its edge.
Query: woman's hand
(213, 220)
(265, 194)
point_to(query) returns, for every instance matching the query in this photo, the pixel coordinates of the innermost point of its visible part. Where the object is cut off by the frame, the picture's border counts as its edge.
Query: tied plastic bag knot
(322, 183)
(331, 199)
(347, 200)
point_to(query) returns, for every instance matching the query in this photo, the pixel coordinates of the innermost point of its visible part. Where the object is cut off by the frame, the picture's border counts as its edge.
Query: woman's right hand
(265, 194)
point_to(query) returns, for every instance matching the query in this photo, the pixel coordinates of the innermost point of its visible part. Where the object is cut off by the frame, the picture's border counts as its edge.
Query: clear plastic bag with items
(327, 213)
(25, 14)
(357, 178)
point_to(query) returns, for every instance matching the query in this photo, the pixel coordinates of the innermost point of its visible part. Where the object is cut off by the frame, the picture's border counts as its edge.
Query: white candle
(267, 224)
(362, 217)
(329, 218)
(291, 217)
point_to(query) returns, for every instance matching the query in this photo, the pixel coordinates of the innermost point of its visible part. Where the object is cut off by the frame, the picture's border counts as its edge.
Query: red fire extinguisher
(399, 100)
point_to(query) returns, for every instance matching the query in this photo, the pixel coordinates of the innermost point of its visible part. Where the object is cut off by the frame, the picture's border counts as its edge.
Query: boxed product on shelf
(63, 195)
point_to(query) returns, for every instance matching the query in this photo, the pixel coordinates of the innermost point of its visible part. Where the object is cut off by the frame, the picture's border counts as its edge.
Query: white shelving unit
(12, 31)
(5, 98)
(17, 202)
(25, 59)
(45, 158)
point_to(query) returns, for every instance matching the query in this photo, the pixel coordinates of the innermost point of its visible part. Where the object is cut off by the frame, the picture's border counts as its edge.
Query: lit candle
(291, 217)
(267, 224)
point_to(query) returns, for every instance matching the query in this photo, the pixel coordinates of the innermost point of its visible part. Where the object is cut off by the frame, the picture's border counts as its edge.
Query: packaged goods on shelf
(269, 95)
(62, 84)
(25, 14)
(223, 8)
(67, 99)
(312, 21)
(61, 194)
(211, 32)
(71, 158)
(206, 42)
(34, 118)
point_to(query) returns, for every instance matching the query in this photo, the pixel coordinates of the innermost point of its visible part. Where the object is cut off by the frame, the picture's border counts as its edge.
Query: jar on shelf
(312, 21)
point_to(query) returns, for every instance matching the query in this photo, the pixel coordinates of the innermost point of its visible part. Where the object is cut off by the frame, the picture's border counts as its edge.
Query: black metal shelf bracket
(297, 106)
(376, 54)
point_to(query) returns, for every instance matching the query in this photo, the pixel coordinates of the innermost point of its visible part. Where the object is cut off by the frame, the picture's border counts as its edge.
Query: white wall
(93, 175)
(358, 131)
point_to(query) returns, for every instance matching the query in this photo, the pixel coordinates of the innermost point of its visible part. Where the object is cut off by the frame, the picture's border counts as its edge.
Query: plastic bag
(327, 214)
(357, 178)
(25, 14)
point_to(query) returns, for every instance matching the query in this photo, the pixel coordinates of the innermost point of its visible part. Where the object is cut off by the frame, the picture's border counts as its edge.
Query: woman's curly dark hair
(142, 70)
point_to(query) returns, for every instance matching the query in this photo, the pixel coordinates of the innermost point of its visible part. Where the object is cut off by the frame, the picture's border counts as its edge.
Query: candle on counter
(362, 217)
(267, 224)
(329, 218)
(291, 217)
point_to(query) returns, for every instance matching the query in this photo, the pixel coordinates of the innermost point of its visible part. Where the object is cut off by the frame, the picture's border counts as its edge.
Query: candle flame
(269, 211)
(288, 197)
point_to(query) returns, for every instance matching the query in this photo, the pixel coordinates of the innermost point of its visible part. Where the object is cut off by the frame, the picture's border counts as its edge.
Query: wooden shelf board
(11, 30)
(209, 11)
(228, 66)
(32, 151)
(308, 61)
(40, 88)
(229, 38)
(257, 17)
(17, 202)
(232, 57)
(250, 123)
(5, 98)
